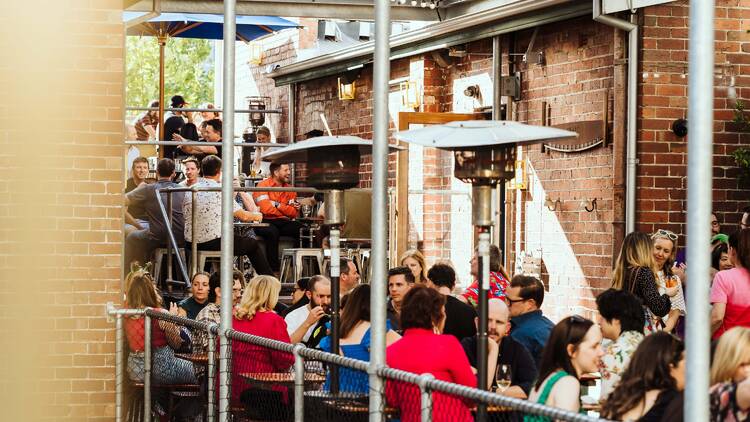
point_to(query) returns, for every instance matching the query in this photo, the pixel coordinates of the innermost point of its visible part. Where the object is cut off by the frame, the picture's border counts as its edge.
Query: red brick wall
(663, 88)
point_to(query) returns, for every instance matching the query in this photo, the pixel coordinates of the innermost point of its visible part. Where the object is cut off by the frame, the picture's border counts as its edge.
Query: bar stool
(160, 254)
(213, 256)
(300, 262)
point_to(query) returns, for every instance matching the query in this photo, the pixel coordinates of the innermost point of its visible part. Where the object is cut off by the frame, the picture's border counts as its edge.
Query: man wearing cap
(175, 124)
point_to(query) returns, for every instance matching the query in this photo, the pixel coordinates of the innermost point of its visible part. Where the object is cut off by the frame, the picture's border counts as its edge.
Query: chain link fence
(173, 368)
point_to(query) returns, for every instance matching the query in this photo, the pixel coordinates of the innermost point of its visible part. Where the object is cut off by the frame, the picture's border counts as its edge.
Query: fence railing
(270, 380)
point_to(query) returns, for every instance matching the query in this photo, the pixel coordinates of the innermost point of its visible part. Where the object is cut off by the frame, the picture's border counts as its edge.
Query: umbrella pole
(162, 43)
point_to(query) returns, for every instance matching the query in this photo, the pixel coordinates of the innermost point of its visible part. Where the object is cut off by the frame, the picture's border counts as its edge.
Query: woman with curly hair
(653, 379)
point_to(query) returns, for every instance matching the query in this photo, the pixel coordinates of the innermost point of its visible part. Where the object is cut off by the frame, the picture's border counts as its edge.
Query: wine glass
(502, 377)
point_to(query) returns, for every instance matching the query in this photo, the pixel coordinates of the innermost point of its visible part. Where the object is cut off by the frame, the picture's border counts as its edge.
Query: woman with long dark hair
(635, 273)
(573, 349)
(355, 338)
(653, 379)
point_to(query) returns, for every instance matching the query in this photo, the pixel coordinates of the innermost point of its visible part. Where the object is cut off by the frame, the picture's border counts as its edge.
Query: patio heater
(485, 156)
(254, 121)
(333, 167)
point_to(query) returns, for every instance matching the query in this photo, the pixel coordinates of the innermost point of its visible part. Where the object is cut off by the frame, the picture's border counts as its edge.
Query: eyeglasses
(661, 233)
(510, 301)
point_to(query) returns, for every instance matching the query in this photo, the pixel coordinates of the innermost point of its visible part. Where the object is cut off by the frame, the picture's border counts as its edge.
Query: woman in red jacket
(254, 315)
(423, 349)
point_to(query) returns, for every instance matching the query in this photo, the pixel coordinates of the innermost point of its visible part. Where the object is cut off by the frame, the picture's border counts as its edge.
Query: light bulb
(432, 6)
(413, 2)
(423, 4)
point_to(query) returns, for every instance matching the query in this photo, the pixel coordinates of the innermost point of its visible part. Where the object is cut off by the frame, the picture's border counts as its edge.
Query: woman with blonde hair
(665, 251)
(254, 315)
(635, 273)
(414, 260)
(730, 375)
(141, 292)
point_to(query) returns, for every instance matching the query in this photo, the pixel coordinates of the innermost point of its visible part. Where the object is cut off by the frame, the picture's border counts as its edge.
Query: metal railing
(307, 363)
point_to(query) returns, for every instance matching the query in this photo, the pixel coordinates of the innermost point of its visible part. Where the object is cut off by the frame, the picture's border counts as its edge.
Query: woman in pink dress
(422, 350)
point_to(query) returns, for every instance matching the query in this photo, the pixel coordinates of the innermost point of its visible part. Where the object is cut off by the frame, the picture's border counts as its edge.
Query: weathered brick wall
(60, 212)
(662, 172)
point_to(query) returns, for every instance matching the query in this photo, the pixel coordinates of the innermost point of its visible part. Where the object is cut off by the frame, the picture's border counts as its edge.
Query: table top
(281, 377)
(197, 358)
(244, 224)
(310, 220)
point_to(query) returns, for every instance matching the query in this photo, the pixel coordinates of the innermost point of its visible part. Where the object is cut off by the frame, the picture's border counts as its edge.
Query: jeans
(242, 246)
(277, 227)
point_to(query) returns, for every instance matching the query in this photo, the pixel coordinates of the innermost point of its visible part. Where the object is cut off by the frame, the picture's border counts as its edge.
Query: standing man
(208, 219)
(498, 278)
(460, 318)
(140, 244)
(400, 280)
(530, 327)
(174, 123)
(279, 211)
(302, 322)
(504, 350)
(348, 276)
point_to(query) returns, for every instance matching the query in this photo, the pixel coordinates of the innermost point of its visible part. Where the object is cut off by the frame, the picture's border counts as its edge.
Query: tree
(188, 71)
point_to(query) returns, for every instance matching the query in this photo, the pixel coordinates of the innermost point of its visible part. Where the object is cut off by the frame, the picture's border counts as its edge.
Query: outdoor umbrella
(201, 26)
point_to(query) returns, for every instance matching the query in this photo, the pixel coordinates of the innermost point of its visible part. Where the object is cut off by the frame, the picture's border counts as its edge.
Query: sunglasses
(661, 233)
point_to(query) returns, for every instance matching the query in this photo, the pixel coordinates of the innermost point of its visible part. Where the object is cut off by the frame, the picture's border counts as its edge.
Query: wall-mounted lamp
(520, 180)
(472, 91)
(256, 53)
(585, 204)
(553, 205)
(680, 127)
(347, 91)
(410, 97)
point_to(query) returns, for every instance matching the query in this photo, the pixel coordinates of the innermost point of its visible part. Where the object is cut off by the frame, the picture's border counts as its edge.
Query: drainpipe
(155, 11)
(631, 144)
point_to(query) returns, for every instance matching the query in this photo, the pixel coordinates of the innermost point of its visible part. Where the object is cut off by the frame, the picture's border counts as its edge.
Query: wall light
(410, 97)
(256, 53)
(346, 90)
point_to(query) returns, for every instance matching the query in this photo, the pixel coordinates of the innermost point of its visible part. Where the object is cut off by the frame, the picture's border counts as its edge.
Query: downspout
(155, 11)
(631, 144)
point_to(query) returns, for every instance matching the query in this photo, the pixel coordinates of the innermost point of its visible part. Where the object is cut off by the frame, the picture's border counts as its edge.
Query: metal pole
(169, 247)
(484, 285)
(299, 384)
(496, 115)
(193, 243)
(172, 239)
(700, 180)
(335, 302)
(211, 375)
(119, 367)
(227, 199)
(162, 43)
(379, 230)
(426, 397)
(146, 368)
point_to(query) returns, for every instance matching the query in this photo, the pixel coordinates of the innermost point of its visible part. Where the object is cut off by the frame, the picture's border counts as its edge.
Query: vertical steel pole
(211, 375)
(227, 194)
(162, 44)
(119, 367)
(700, 180)
(169, 245)
(299, 384)
(484, 285)
(379, 230)
(335, 302)
(146, 368)
(193, 243)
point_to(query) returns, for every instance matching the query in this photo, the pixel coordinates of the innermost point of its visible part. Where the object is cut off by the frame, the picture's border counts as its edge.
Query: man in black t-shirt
(141, 243)
(460, 318)
(175, 124)
(510, 352)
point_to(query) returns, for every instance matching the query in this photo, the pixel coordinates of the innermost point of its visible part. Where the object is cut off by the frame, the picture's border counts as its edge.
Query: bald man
(510, 352)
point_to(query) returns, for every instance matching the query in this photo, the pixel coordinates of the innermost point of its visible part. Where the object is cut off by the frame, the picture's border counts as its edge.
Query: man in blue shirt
(529, 327)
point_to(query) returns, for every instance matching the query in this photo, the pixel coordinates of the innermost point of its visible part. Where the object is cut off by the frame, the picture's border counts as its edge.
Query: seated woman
(651, 382)
(423, 350)
(254, 315)
(165, 336)
(355, 339)
(730, 377)
(199, 296)
(573, 349)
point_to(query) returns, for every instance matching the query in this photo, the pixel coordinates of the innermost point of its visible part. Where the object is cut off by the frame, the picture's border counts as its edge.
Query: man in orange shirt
(279, 211)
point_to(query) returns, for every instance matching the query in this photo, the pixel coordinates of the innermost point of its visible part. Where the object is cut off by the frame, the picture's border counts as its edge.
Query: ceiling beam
(328, 9)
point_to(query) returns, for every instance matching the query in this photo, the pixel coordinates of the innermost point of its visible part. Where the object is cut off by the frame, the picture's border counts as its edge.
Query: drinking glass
(306, 210)
(503, 377)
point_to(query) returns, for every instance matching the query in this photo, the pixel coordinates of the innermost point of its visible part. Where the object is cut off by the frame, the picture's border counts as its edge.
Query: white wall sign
(612, 6)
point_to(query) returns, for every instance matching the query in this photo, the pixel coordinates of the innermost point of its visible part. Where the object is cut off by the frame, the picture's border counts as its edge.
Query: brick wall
(663, 88)
(60, 213)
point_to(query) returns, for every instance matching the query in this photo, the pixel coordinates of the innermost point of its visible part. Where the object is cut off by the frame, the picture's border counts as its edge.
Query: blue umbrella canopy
(205, 26)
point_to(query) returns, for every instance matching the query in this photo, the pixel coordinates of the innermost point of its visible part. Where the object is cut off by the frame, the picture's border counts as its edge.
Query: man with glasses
(524, 298)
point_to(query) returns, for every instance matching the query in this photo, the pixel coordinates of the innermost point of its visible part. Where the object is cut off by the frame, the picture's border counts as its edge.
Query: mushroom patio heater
(485, 155)
(333, 166)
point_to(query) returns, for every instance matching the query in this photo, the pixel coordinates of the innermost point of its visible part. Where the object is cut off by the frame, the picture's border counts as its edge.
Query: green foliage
(189, 70)
(742, 155)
